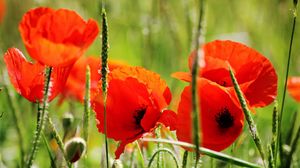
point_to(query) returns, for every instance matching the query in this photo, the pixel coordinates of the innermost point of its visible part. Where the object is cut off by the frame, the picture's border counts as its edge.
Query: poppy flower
(56, 37)
(255, 73)
(28, 78)
(75, 85)
(136, 103)
(221, 116)
(2, 9)
(293, 87)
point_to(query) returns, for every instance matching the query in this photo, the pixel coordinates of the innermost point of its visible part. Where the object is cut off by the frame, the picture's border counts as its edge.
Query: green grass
(157, 34)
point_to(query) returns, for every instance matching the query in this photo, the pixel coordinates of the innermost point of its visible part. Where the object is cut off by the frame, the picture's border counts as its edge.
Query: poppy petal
(28, 78)
(154, 83)
(187, 77)
(168, 118)
(56, 37)
(123, 110)
(293, 87)
(221, 119)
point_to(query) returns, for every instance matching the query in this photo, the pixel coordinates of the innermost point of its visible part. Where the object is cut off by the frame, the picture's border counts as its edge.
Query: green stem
(208, 152)
(293, 148)
(274, 132)
(87, 105)
(166, 150)
(41, 120)
(140, 154)
(287, 69)
(16, 118)
(160, 162)
(271, 157)
(247, 113)
(52, 159)
(195, 115)
(104, 71)
(58, 140)
(185, 158)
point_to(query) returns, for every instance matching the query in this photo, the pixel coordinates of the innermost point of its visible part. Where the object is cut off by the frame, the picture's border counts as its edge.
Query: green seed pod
(74, 149)
(117, 164)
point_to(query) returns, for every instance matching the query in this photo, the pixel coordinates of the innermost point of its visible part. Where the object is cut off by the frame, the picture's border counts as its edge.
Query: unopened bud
(117, 164)
(74, 149)
(67, 121)
(295, 2)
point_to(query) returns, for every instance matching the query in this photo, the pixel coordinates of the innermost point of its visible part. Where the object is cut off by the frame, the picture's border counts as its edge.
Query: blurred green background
(158, 35)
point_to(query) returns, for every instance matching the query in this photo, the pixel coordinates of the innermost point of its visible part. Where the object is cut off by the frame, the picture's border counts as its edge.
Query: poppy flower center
(139, 114)
(224, 118)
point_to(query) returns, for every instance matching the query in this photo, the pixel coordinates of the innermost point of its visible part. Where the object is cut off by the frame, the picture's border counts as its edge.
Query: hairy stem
(42, 112)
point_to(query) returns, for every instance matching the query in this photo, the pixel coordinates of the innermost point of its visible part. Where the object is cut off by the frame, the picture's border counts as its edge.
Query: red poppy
(2, 9)
(56, 37)
(136, 102)
(255, 73)
(28, 78)
(222, 119)
(293, 87)
(75, 85)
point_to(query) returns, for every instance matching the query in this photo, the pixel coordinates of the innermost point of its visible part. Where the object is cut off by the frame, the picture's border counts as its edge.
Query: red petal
(152, 80)
(28, 78)
(294, 87)
(168, 118)
(213, 99)
(56, 38)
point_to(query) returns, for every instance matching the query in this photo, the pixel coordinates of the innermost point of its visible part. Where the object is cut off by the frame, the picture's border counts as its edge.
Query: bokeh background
(158, 35)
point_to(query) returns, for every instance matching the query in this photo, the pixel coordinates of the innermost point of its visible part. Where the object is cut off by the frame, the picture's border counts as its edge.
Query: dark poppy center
(139, 114)
(224, 118)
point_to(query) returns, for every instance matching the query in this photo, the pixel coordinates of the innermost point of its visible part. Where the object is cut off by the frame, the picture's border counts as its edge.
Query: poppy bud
(295, 2)
(67, 121)
(117, 164)
(74, 149)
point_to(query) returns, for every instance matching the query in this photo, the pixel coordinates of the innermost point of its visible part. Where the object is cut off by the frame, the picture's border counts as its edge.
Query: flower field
(160, 83)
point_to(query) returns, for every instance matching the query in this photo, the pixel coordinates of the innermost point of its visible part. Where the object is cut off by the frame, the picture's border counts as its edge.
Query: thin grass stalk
(195, 114)
(287, 69)
(208, 152)
(18, 124)
(52, 159)
(160, 161)
(274, 131)
(87, 106)
(166, 150)
(247, 113)
(293, 148)
(185, 158)
(104, 71)
(140, 155)
(58, 140)
(291, 129)
(41, 120)
(271, 157)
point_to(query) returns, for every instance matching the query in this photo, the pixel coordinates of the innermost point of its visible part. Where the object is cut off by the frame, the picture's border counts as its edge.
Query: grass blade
(166, 150)
(104, 71)
(52, 159)
(195, 114)
(247, 113)
(87, 106)
(287, 70)
(208, 152)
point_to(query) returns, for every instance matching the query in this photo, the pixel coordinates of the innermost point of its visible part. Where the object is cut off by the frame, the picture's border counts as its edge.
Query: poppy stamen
(224, 118)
